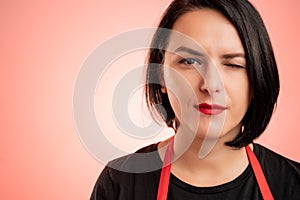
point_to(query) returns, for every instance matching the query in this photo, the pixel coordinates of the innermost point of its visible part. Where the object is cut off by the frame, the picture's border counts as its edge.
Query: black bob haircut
(261, 65)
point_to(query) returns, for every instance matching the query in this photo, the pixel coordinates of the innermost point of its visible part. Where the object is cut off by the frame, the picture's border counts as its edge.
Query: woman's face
(207, 83)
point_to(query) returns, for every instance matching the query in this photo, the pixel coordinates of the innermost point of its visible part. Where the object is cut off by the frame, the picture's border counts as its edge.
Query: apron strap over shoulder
(166, 170)
(259, 175)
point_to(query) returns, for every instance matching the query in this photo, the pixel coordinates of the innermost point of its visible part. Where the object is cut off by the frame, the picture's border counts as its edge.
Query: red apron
(166, 170)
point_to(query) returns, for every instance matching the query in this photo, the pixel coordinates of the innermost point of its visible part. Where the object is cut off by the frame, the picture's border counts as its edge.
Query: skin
(218, 76)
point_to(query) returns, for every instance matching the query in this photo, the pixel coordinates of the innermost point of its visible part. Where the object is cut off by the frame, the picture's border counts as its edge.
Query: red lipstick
(210, 109)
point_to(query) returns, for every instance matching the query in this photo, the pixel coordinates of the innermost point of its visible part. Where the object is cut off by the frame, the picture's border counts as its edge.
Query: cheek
(174, 103)
(178, 85)
(239, 94)
(246, 92)
(180, 92)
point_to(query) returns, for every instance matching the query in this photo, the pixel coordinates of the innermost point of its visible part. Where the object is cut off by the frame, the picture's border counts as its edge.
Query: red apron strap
(166, 170)
(165, 173)
(261, 180)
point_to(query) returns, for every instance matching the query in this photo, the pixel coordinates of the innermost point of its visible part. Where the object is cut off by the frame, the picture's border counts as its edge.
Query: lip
(210, 109)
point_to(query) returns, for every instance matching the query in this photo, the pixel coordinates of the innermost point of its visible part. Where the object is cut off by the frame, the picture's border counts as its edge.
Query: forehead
(210, 29)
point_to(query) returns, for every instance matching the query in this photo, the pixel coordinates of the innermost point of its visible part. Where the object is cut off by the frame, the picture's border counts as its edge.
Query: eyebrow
(197, 53)
(233, 55)
(189, 50)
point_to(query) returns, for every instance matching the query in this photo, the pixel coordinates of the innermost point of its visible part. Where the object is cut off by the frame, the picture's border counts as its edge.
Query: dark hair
(261, 65)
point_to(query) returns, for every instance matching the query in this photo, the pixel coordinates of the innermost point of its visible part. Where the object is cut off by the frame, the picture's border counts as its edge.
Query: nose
(211, 83)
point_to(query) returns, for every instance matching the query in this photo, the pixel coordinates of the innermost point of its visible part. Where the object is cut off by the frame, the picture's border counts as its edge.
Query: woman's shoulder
(145, 159)
(268, 157)
(127, 174)
(282, 173)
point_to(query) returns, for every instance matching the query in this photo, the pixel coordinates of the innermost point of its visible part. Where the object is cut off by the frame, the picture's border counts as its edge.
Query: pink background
(44, 43)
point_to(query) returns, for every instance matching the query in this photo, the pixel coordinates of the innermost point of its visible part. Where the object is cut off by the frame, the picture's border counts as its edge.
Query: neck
(222, 163)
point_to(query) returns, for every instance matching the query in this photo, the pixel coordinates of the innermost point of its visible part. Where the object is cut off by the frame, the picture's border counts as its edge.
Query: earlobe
(163, 89)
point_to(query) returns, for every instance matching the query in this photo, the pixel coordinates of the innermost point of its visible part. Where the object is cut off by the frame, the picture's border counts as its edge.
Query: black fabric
(282, 174)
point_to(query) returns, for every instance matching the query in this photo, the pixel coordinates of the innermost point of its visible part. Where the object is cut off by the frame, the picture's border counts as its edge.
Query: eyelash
(235, 66)
(189, 61)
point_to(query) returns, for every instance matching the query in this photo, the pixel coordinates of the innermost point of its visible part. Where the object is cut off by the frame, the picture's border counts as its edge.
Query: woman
(215, 82)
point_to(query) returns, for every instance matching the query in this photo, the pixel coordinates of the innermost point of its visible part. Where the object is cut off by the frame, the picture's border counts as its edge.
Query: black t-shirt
(282, 175)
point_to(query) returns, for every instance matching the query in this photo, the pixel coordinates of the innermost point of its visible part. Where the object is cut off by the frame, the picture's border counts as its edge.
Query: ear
(162, 81)
(163, 89)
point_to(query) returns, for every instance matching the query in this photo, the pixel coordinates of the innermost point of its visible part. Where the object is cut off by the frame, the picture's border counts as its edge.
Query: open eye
(189, 61)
